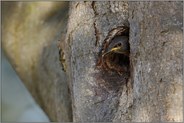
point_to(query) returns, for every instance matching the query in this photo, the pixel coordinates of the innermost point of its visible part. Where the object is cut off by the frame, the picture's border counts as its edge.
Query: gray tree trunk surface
(150, 91)
(153, 91)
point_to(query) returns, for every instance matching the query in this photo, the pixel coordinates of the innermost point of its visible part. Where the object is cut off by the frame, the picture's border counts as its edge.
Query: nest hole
(114, 61)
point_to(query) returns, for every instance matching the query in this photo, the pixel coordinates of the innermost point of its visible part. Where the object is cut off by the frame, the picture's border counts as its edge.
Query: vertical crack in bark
(68, 70)
(96, 33)
(95, 25)
(62, 59)
(93, 7)
(76, 4)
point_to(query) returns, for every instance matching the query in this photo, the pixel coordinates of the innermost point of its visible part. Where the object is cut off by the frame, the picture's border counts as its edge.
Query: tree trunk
(152, 91)
(156, 53)
(148, 90)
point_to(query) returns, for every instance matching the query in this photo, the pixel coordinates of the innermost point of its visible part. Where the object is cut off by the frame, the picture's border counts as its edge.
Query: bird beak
(116, 49)
(119, 50)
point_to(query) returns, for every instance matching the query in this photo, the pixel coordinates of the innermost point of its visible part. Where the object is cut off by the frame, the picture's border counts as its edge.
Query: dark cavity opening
(113, 58)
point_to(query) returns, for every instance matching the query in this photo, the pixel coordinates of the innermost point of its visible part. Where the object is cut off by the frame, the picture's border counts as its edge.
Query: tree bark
(156, 53)
(92, 99)
(150, 92)
(153, 91)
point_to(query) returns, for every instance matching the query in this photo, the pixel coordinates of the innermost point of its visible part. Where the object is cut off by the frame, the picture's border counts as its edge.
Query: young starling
(118, 45)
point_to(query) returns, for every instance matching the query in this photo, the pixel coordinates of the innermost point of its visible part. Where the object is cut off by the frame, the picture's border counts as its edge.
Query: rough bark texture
(152, 91)
(156, 52)
(30, 39)
(94, 95)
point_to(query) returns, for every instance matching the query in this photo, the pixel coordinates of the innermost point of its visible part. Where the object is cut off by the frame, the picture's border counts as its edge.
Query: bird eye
(117, 45)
